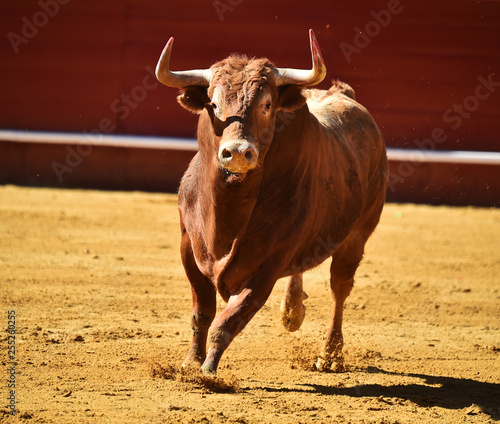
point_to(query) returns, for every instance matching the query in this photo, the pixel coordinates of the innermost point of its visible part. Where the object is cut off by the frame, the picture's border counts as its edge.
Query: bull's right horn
(179, 79)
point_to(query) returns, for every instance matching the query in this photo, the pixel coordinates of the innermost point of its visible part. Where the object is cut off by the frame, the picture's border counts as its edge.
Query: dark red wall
(88, 66)
(104, 167)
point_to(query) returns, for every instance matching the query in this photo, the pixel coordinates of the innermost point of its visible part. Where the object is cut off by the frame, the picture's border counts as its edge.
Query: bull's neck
(230, 206)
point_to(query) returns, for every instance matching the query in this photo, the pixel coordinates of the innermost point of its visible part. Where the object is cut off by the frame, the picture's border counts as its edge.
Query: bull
(285, 177)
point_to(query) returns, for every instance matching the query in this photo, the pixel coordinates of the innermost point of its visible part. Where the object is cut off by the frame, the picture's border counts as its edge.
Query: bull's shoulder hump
(331, 108)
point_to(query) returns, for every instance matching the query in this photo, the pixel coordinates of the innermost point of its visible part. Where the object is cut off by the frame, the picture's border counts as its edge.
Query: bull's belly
(313, 253)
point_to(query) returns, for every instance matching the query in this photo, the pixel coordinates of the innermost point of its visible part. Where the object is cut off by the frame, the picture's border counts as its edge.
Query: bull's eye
(268, 105)
(214, 105)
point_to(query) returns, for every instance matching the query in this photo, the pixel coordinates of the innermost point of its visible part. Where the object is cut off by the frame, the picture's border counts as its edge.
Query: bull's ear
(290, 98)
(193, 98)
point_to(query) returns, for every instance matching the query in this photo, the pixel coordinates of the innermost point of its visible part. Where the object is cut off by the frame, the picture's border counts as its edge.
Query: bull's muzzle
(238, 157)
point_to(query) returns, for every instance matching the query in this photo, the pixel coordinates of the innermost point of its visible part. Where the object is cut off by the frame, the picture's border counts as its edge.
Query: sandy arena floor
(101, 303)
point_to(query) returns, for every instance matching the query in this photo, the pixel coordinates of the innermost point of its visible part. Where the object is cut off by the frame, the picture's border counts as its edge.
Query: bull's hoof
(209, 370)
(293, 313)
(335, 365)
(192, 361)
(292, 318)
(322, 365)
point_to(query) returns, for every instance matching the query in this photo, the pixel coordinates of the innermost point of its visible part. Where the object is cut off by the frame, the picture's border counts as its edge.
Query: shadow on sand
(445, 392)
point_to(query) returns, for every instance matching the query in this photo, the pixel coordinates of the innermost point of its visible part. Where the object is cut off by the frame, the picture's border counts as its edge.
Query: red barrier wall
(85, 65)
(105, 167)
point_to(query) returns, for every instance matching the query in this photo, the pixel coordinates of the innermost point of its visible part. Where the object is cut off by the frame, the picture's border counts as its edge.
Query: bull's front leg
(240, 308)
(204, 305)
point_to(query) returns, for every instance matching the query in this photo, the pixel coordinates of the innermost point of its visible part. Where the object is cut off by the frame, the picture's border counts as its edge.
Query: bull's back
(346, 175)
(356, 139)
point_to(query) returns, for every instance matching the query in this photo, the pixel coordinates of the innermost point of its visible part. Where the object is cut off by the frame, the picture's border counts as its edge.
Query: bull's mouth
(233, 177)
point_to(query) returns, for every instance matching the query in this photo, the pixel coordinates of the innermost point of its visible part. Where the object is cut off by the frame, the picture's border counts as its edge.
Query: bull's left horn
(289, 76)
(179, 79)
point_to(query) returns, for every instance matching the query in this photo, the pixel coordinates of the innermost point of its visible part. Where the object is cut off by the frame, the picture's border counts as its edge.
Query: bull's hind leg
(345, 262)
(293, 310)
(204, 305)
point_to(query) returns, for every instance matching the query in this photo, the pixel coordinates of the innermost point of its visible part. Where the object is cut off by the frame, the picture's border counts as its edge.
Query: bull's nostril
(237, 156)
(226, 154)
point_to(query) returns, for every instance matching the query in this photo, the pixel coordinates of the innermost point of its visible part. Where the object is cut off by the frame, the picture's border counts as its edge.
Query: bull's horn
(289, 76)
(179, 79)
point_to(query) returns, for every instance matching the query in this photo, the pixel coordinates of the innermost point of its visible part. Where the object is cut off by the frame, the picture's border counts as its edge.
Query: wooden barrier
(157, 164)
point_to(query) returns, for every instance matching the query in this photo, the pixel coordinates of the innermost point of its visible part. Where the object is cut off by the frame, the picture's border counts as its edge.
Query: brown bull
(285, 177)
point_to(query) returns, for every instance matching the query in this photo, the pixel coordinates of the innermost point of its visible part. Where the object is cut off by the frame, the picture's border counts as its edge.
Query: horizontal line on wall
(111, 140)
(189, 144)
(444, 156)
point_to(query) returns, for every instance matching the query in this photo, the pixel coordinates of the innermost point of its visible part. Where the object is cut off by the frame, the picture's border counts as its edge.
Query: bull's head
(241, 97)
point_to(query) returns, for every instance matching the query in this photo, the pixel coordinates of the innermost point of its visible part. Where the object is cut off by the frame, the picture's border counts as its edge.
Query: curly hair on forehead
(242, 75)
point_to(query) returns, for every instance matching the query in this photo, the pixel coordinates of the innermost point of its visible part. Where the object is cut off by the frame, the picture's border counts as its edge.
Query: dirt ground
(100, 299)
